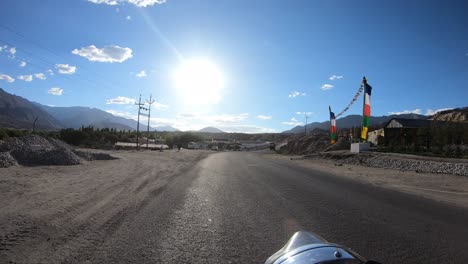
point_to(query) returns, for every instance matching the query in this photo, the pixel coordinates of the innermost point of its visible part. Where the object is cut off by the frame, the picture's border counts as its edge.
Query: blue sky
(260, 62)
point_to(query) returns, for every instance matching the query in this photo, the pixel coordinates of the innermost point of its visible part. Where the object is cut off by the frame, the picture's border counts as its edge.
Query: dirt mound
(314, 144)
(89, 156)
(37, 150)
(6, 160)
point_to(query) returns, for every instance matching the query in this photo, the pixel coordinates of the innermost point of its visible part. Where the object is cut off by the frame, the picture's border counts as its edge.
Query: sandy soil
(88, 200)
(441, 187)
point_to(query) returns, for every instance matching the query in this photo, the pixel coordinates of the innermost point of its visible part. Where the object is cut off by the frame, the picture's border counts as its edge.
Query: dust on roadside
(49, 210)
(441, 187)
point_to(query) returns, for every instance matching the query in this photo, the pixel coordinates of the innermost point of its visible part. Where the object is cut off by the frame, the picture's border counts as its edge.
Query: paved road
(239, 207)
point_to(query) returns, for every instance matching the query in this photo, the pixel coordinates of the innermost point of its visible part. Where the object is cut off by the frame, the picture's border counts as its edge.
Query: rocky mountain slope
(452, 115)
(18, 112)
(352, 121)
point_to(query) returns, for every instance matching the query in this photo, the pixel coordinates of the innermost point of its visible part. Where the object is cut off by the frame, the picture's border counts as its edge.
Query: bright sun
(199, 81)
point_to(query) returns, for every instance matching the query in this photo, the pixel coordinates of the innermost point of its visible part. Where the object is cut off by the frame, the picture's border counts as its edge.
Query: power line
(53, 53)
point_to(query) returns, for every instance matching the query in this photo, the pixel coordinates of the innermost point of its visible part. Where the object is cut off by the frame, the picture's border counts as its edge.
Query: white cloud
(22, 64)
(296, 94)
(304, 113)
(6, 78)
(246, 129)
(110, 53)
(430, 112)
(121, 100)
(122, 114)
(222, 119)
(145, 3)
(12, 51)
(186, 115)
(415, 111)
(293, 122)
(327, 87)
(128, 17)
(55, 91)
(51, 72)
(117, 10)
(141, 74)
(107, 2)
(159, 106)
(336, 77)
(65, 68)
(26, 78)
(40, 76)
(139, 3)
(264, 117)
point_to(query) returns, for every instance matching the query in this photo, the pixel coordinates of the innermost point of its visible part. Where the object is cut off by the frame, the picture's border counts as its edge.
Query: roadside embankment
(398, 162)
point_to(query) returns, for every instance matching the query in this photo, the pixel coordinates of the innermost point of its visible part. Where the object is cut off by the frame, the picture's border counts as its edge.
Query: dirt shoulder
(45, 210)
(441, 187)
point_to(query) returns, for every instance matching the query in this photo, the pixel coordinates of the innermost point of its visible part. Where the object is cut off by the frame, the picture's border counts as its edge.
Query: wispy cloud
(22, 64)
(139, 3)
(65, 68)
(415, 111)
(12, 52)
(264, 117)
(128, 17)
(296, 94)
(50, 72)
(336, 77)
(159, 106)
(141, 74)
(55, 91)
(327, 87)
(110, 53)
(26, 78)
(222, 119)
(293, 122)
(430, 112)
(6, 78)
(305, 113)
(121, 100)
(40, 76)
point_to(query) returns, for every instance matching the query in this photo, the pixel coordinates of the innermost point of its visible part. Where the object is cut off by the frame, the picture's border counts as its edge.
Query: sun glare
(199, 81)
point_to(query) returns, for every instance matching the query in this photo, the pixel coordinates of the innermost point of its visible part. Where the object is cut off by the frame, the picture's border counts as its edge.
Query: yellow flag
(364, 133)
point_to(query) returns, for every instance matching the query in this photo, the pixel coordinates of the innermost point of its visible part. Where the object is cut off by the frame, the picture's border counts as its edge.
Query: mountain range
(211, 130)
(352, 121)
(18, 112)
(450, 115)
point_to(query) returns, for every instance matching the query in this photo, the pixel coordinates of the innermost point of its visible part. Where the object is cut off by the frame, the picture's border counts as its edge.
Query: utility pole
(150, 102)
(306, 115)
(138, 122)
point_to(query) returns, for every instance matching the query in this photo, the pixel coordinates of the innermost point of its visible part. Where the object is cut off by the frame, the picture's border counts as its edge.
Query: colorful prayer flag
(332, 126)
(367, 109)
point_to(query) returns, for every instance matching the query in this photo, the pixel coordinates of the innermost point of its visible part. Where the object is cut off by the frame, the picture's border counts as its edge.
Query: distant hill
(165, 128)
(452, 115)
(18, 112)
(211, 130)
(352, 121)
(77, 116)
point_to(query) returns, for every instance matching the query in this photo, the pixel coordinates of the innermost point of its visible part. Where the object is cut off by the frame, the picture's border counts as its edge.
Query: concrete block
(358, 147)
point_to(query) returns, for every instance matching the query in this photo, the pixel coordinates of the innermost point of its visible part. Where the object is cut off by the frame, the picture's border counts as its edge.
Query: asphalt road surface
(238, 207)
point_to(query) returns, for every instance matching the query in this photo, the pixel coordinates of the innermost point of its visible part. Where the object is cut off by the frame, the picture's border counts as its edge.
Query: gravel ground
(37, 150)
(400, 162)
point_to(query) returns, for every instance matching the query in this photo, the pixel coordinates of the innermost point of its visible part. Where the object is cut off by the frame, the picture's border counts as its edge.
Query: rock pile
(6, 160)
(310, 144)
(37, 150)
(89, 156)
(393, 162)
